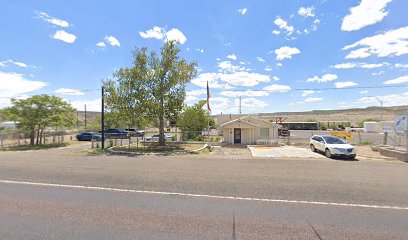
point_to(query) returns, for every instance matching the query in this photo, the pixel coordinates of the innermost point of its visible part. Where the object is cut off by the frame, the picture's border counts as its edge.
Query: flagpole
(208, 114)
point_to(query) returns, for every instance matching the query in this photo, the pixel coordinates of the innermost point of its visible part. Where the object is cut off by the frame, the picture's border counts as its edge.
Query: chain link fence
(395, 139)
(13, 137)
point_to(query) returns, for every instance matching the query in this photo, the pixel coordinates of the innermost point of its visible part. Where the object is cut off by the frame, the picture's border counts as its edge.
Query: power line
(62, 93)
(241, 90)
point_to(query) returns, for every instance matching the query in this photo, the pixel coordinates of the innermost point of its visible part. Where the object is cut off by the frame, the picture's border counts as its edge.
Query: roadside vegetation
(35, 147)
(169, 149)
(151, 90)
(37, 113)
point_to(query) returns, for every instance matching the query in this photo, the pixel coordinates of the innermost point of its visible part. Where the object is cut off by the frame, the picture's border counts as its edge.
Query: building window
(264, 132)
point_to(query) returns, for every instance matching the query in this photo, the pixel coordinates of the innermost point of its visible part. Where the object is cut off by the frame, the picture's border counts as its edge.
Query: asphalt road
(101, 197)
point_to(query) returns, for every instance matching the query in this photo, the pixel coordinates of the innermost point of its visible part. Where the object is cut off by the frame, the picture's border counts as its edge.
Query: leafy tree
(36, 113)
(153, 89)
(194, 118)
(212, 122)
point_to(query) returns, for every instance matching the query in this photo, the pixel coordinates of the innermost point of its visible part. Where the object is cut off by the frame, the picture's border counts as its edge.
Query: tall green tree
(153, 88)
(36, 113)
(194, 118)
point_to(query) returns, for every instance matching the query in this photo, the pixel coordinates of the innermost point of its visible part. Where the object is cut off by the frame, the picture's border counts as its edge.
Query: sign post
(401, 125)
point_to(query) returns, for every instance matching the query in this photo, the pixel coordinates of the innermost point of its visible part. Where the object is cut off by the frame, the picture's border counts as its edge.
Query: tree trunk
(41, 135)
(32, 136)
(161, 122)
(161, 131)
(38, 136)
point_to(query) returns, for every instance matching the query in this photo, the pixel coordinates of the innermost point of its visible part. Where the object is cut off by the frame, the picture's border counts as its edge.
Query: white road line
(204, 195)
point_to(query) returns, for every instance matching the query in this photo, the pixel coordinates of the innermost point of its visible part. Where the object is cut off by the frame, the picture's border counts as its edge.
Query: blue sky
(267, 52)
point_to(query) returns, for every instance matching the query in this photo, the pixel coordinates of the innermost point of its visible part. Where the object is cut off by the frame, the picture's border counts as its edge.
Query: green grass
(169, 149)
(29, 147)
(366, 143)
(91, 152)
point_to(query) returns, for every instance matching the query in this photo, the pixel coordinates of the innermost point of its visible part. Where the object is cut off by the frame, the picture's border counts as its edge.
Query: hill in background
(354, 115)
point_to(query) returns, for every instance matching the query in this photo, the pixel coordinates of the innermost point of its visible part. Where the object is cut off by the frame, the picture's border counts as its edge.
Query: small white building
(247, 130)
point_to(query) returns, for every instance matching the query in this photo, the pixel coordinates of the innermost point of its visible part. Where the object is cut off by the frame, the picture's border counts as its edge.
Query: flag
(208, 98)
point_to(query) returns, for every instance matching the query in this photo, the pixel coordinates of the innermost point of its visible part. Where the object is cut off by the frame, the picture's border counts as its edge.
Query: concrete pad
(284, 151)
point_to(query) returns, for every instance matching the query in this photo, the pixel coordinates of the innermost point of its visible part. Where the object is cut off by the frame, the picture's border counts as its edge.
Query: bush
(215, 139)
(199, 138)
(190, 135)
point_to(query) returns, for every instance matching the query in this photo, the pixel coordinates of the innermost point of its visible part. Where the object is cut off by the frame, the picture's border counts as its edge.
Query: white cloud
(213, 80)
(52, 20)
(101, 44)
(286, 52)
(14, 85)
(282, 24)
(399, 65)
(248, 93)
(196, 92)
(225, 80)
(160, 33)
(374, 65)
(390, 43)
(191, 100)
(307, 93)
(388, 100)
(94, 105)
(64, 36)
(313, 99)
(200, 50)
(360, 65)
(277, 88)
(279, 65)
(367, 13)
(20, 64)
(245, 79)
(276, 78)
(276, 32)
(232, 57)
(260, 59)
(67, 91)
(306, 11)
(242, 11)
(364, 92)
(268, 68)
(345, 65)
(176, 35)
(228, 67)
(398, 80)
(345, 84)
(155, 32)
(325, 78)
(251, 103)
(113, 41)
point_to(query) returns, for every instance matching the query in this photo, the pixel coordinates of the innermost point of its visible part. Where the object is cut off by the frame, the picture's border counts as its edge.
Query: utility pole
(381, 104)
(103, 118)
(85, 116)
(240, 99)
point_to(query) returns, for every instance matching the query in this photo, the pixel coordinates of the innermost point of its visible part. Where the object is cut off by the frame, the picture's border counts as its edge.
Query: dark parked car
(86, 136)
(116, 133)
(97, 137)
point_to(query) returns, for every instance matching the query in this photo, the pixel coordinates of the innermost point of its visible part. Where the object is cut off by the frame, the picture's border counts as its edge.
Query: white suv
(332, 146)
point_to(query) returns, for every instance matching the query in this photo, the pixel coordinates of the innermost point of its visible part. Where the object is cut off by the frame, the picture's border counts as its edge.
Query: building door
(237, 135)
